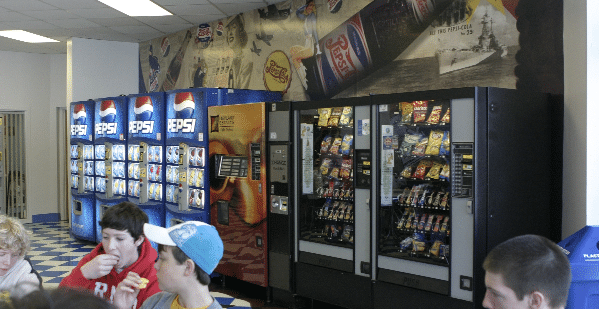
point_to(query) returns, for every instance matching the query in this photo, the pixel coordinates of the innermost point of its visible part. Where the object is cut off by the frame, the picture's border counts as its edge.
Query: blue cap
(198, 240)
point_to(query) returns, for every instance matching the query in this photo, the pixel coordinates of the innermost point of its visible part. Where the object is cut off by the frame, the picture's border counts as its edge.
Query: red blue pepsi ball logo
(79, 114)
(184, 105)
(143, 108)
(107, 111)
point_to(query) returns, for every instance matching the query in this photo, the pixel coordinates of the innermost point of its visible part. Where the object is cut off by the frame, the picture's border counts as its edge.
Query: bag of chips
(323, 116)
(407, 110)
(420, 111)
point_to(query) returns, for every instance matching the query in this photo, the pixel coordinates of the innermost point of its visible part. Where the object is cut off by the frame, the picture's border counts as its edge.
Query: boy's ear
(139, 241)
(189, 268)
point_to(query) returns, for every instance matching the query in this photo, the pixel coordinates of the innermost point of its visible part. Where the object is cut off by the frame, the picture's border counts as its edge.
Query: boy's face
(122, 245)
(8, 259)
(499, 296)
(168, 270)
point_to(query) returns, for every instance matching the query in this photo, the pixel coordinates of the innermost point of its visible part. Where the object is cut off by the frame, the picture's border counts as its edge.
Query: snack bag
(323, 116)
(407, 171)
(408, 143)
(433, 173)
(422, 222)
(406, 244)
(445, 171)
(346, 167)
(334, 173)
(348, 212)
(348, 140)
(347, 234)
(435, 248)
(438, 223)
(445, 225)
(434, 143)
(420, 147)
(335, 117)
(346, 116)
(445, 145)
(407, 110)
(445, 118)
(334, 150)
(422, 168)
(429, 223)
(403, 195)
(325, 165)
(435, 115)
(420, 111)
(326, 142)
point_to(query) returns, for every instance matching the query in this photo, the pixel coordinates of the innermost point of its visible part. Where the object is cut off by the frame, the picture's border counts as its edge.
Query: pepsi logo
(79, 114)
(184, 105)
(107, 111)
(219, 28)
(143, 108)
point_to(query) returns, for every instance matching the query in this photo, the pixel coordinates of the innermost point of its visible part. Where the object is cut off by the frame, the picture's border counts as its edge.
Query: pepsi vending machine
(109, 146)
(186, 147)
(146, 143)
(238, 207)
(82, 170)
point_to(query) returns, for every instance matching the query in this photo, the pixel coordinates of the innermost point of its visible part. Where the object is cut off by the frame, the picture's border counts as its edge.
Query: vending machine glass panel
(326, 213)
(414, 216)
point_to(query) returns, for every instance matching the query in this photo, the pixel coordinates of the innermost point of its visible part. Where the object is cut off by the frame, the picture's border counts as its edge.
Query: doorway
(13, 175)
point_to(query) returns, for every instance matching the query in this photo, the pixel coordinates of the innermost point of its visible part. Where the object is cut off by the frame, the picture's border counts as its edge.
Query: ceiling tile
(171, 28)
(205, 9)
(75, 4)
(74, 23)
(13, 16)
(118, 21)
(160, 20)
(30, 24)
(96, 13)
(50, 14)
(136, 29)
(26, 5)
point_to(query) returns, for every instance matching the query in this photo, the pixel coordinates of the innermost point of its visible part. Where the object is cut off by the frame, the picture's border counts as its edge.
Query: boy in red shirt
(123, 249)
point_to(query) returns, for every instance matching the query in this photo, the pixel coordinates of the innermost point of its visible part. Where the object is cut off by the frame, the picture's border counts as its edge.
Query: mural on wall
(314, 49)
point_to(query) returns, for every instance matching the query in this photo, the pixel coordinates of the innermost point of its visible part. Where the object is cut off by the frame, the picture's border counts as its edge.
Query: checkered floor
(54, 253)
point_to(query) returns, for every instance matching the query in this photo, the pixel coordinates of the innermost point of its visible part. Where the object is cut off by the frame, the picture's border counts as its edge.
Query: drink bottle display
(172, 74)
(368, 40)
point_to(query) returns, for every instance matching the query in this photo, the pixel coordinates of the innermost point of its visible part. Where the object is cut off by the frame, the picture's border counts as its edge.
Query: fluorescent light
(137, 7)
(25, 36)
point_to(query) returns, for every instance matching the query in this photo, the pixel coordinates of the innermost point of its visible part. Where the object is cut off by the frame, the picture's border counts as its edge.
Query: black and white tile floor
(54, 253)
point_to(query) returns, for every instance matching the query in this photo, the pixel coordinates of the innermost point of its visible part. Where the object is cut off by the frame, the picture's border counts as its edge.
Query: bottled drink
(365, 42)
(175, 67)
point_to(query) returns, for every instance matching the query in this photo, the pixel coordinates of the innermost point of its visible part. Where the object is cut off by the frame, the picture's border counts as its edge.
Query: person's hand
(126, 292)
(99, 266)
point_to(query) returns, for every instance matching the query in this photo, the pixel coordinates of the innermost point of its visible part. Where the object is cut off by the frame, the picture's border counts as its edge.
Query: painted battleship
(487, 50)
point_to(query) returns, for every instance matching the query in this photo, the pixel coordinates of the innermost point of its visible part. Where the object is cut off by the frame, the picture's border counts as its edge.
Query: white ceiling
(91, 19)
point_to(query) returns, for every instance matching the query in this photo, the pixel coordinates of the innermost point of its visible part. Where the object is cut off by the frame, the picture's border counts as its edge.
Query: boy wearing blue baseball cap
(188, 253)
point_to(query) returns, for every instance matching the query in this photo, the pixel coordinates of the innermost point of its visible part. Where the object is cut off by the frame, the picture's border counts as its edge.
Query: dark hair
(531, 263)
(181, 257)
(125, 216)
(59, 298)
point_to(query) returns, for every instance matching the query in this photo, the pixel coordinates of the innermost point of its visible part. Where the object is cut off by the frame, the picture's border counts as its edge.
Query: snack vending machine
(238, 205)
(82, 170)
(186, 146)
(146, 146)
(110, 139)
(332, 198)
(460, 171)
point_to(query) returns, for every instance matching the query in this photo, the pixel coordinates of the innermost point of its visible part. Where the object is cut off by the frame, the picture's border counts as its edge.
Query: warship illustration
(488, 49)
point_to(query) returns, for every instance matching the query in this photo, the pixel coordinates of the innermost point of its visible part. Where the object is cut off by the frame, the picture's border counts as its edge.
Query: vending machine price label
(143, 172)
(80, 166)
(108, 170)
(183, 177)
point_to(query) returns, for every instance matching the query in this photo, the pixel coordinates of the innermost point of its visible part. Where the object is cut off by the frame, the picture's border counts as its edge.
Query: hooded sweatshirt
(105, 286)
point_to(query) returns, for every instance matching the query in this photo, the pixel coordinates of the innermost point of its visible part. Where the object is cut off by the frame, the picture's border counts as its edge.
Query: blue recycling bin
(582, 249)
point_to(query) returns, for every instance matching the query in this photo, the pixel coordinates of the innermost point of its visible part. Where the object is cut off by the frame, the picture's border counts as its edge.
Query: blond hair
(14, 236)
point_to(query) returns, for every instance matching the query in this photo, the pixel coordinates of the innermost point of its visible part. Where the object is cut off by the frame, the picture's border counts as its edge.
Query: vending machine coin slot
(462, 169)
